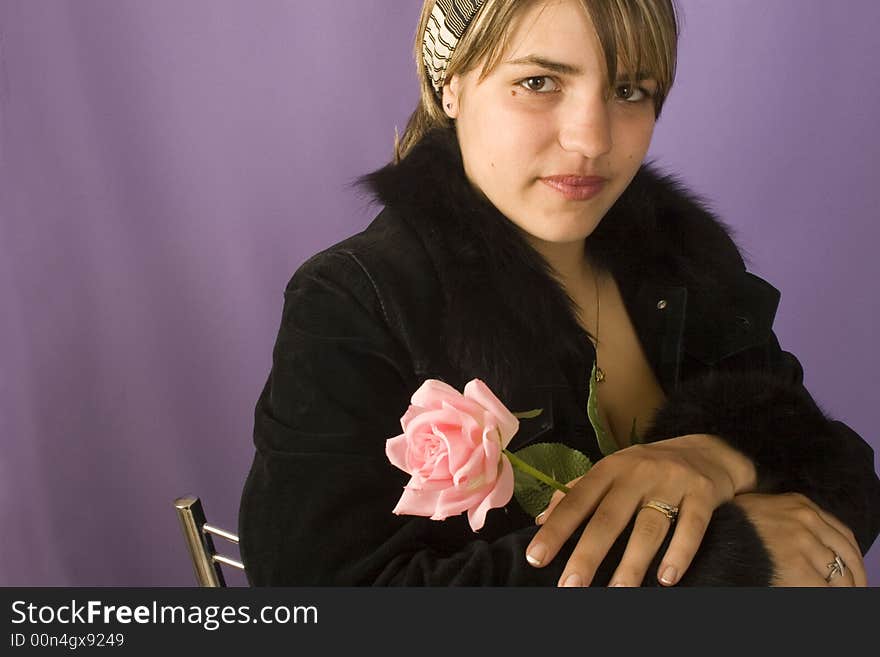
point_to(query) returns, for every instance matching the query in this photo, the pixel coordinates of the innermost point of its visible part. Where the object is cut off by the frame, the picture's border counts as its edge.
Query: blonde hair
(643, 34)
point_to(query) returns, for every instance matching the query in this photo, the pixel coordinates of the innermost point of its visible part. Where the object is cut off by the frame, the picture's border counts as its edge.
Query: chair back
(198, 536)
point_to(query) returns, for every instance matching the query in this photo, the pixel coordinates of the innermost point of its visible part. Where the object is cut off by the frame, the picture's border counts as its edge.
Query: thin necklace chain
(600, 373)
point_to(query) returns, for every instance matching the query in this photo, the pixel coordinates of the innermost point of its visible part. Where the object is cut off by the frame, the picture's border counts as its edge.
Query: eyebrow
(565, 69)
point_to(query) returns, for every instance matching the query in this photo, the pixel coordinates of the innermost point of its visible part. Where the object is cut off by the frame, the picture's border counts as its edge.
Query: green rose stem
(537, 474)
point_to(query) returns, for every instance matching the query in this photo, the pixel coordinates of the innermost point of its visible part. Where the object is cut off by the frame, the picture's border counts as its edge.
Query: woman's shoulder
(386, 252)
(383, 272)
(688, 220)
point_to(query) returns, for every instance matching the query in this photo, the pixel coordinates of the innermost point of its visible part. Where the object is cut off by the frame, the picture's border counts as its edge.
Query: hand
(802, 540)
(696, 472)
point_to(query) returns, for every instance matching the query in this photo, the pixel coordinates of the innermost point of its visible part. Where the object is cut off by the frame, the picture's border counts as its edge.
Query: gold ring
(668, 510)
(835, 568)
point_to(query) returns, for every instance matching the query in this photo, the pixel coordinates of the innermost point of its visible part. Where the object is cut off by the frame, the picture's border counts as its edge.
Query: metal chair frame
(197, 533)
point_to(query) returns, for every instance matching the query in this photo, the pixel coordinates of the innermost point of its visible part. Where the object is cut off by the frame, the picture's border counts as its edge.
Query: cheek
(634, 138)
(512, 112)
(531, 120)
(505, 139)
(505, 155)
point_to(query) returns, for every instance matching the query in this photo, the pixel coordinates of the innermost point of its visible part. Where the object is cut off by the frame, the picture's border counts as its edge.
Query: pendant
(600, 375)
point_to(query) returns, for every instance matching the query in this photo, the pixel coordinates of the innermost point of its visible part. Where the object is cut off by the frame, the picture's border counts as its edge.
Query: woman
(522, 241)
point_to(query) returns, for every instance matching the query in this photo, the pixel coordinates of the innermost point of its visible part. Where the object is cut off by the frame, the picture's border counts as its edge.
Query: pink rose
(451, 446)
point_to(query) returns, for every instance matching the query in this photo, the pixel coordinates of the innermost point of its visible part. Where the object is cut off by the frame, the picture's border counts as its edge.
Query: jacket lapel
(714, 331)
(671, 320)
(658, 312)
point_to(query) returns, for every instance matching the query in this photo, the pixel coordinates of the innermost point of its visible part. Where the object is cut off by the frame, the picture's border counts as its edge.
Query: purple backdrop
(165, 166)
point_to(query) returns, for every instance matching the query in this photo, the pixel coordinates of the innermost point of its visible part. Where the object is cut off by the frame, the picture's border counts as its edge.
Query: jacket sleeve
(756, 401)
(316, 508)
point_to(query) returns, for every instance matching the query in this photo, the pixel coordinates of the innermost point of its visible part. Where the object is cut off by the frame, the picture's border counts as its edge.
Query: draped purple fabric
(165, 166)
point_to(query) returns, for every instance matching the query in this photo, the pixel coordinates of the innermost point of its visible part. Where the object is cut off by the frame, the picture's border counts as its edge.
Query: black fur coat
(441, 285)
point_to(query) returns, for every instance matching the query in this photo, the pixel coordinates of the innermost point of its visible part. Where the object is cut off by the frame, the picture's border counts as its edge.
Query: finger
(837, 536)
(649, 530)
(835, 543)
(851, 553)
(833, 521)
(806, 577)
(568, 514)
(824, 564)
(690, 528)
(554, 500)
(606, 524)
(851, 558)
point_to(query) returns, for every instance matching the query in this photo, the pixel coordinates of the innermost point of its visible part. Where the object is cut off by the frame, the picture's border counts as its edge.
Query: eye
(630, 89)
(540, 87)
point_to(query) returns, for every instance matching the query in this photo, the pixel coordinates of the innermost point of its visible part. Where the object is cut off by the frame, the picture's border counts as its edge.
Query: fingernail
(536, 554)
(573, 580)
(668, 576)
(540, 518)
(619, 584)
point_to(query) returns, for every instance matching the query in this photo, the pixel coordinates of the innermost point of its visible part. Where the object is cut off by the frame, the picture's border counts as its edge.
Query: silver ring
(835, 568)
(668, 510)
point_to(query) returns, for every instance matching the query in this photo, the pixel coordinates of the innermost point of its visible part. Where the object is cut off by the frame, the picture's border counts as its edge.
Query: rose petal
(407, 417)
(455, 500)
(456, 449)
(440, 471)
(468, 407)
(395, 450)
(435, 465)
(417, 502)
(491, 449)
(472, 419)
(461, 440)
(472, 428)
(474, 467)
(437, 484)
(421, 446)
(497, 498)
(432, 392)
(423, 422)
(507, 421)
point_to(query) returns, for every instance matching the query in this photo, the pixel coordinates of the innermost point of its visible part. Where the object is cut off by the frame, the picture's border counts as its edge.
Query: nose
(586, 126)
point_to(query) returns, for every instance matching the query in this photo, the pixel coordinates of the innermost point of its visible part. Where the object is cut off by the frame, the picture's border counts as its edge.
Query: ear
(452, 96)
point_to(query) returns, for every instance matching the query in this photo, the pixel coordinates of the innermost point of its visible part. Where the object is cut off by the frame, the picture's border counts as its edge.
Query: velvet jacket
(442, 285)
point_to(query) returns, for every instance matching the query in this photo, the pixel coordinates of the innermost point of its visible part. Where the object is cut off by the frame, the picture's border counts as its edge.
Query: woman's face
(528, 121)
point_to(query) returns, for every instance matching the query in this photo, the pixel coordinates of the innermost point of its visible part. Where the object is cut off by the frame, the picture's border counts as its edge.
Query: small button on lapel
(661, 304)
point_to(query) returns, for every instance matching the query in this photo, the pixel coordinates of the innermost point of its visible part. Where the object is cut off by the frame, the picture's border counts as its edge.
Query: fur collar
(506, 313)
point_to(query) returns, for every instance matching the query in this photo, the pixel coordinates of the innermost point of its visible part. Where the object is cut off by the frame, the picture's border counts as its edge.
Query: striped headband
(449, 20)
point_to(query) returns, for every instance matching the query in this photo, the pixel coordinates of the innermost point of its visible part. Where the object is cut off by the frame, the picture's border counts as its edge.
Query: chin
(561, 237)
(572, 231)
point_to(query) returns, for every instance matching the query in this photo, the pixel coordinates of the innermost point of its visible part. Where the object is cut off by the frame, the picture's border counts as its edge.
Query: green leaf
(559, 461)
(528, 415)
(607, 444)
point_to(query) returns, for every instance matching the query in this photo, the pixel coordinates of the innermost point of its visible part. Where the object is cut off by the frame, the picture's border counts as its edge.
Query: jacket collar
(508, 318)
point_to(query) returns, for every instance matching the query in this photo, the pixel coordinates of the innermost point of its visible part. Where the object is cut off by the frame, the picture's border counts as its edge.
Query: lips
(576, 188)
(575, 180)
